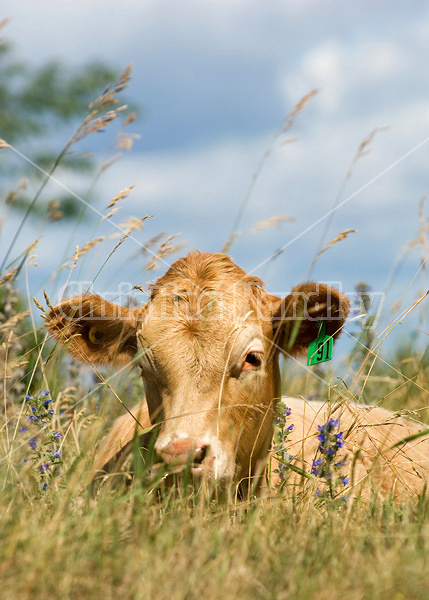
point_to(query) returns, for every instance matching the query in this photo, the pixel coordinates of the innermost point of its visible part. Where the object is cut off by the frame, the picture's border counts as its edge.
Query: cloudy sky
(214, 80)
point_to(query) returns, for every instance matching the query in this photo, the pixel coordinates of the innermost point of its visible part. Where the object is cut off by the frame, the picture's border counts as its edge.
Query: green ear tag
(320, 350)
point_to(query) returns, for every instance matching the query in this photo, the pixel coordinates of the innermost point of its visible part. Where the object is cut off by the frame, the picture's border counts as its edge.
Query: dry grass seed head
(423, 229)
(14, 320)
(126, 141)
(132, 224)
(274, 221)
(123, 194)
(364, 149)
(47, 299)
(152, 242)
(37, 303)
(110, 162)
(3, 24)
(164, 250)
(14, 194)
(299, 106)
(54, 211)
(82, 251)
(227, 245)
(10, 276)
(95, 121)
(341, 236)
(130, 118)
(111, 213)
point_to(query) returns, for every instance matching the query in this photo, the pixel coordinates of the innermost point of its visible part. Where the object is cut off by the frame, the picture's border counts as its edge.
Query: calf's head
(207, 343)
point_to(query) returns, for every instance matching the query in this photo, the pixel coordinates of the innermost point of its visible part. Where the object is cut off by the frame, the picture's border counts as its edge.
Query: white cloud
(380, 61)
(204, 187)
(341, 68)
(77, 30)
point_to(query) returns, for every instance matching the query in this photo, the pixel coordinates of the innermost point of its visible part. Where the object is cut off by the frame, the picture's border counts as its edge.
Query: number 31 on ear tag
(320, 350)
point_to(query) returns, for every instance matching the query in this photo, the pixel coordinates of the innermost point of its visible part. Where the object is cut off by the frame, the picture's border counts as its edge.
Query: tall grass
(127, 540)
(127, 545)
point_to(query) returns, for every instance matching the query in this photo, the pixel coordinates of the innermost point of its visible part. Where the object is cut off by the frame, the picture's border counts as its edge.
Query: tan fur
(71, 320)
(369, 433)
(121, 435)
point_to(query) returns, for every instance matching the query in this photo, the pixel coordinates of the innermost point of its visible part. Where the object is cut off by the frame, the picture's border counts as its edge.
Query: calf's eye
(95, 335)
(252, 362)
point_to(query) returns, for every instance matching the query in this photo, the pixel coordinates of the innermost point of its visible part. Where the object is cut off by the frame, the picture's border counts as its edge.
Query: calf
(208, 343)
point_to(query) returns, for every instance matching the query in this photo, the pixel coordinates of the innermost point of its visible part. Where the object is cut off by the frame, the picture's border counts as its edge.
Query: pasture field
(128, 537)
(128, 541)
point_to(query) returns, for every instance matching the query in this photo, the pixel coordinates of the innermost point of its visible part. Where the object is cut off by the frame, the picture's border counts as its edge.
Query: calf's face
(208, 368)
(207, 343)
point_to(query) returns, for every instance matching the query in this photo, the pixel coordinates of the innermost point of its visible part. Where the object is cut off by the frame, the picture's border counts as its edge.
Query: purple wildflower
(322, 438)
(315, 469)
(326, 467)
(280, 444)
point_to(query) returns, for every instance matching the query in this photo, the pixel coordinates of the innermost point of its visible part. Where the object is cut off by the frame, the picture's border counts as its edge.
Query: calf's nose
(183, 451)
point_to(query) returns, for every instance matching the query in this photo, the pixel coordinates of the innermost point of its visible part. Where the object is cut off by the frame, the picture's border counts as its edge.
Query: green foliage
(37, 102)
(19, 344)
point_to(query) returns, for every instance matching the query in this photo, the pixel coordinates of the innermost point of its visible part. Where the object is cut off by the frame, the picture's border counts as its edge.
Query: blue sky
(214, 80)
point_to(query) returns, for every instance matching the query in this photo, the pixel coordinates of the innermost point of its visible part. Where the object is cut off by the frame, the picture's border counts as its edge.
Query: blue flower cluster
(326, 467)
(326, 434)
(280, 444)
(46, 454)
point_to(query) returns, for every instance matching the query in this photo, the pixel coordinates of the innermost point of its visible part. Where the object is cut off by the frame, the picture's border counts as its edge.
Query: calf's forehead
(190, 311)
(205, 302)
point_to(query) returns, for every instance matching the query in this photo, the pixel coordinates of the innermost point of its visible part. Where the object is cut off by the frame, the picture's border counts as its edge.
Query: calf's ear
(296, 318)
(93, 330)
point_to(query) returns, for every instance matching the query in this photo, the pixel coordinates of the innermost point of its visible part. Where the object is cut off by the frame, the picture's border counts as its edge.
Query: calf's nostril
(183, 451)
(200, 454)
